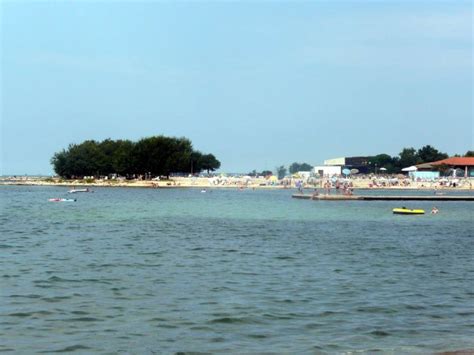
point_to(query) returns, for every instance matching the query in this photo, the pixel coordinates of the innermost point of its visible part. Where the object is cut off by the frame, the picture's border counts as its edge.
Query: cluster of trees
(255, 173)
(155, 156)
(293, 168)
(407, 157)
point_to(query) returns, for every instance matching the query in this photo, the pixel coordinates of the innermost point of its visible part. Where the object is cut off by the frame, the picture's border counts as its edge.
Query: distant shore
(236, 183)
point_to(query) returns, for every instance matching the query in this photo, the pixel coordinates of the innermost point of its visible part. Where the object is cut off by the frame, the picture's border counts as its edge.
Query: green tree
(209, 162)
(281, 172)
(306, 167)
(148, 155)
(408, 157)
(157, 155)
(85, 159)
(295, 167)
(60, 164)
(266, 173)
(195, 162)
(429, 154)
(116, 156)
(160, 155)
(382, 161)
(122, 158)
(469, 153)
(178, 155)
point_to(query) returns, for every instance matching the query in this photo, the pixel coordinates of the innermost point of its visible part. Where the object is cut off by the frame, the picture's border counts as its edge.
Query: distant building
(424, 171)
(464, 163)
(336, 165)
(360, 163)
(457, 166)
(327, 170)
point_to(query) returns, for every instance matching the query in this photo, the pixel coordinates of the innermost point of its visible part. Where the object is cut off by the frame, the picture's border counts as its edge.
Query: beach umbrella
(354, 171)
(383, 169)
(410, 168)
(346, 171)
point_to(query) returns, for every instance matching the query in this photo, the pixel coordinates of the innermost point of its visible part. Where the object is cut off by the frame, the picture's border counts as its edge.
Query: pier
(381, 198)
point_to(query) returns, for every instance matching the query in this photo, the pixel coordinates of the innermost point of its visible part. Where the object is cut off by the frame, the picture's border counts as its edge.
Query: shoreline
(206, 183)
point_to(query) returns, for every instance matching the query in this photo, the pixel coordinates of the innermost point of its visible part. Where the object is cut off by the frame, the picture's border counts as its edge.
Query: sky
(258, 84)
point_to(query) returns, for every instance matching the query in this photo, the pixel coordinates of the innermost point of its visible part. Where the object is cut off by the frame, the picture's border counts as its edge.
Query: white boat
(73, 191)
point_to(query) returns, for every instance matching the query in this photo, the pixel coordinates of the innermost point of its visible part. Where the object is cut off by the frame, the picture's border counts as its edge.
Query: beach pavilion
(464, 163)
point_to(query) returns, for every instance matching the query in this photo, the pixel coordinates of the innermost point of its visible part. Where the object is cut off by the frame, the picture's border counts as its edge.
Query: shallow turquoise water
(144, 271)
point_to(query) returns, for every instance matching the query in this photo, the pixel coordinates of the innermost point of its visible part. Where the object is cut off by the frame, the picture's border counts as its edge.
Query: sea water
(243, 271)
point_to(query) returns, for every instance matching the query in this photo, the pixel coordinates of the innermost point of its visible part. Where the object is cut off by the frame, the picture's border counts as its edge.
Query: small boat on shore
(407, 211)
(73, 191)
(62, 200)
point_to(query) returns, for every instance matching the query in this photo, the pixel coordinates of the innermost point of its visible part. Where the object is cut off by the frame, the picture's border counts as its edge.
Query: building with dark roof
(360, 163)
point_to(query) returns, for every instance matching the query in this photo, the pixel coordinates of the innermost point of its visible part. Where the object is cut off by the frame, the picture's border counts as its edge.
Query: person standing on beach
(328, 187)
(300, 188)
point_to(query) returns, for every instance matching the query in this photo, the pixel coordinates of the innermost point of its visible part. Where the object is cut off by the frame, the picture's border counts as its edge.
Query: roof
(424, 166)
(458, 161)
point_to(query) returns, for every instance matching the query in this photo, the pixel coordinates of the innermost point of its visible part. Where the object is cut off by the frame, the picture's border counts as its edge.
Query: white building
(335, 166)
(327, 170)
(330, 168)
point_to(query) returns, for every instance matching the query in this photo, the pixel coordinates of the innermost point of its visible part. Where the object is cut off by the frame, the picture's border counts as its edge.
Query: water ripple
(250, 272)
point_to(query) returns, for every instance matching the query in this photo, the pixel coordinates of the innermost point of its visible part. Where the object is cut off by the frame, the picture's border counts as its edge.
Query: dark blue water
(146, 271)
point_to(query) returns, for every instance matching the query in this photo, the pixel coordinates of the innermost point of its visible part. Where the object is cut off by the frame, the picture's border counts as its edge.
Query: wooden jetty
(381, 198)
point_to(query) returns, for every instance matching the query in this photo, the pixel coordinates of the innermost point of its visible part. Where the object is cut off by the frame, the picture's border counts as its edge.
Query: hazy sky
(258, 84)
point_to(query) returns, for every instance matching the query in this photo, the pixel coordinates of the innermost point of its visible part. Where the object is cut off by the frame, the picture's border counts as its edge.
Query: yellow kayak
(404, 210)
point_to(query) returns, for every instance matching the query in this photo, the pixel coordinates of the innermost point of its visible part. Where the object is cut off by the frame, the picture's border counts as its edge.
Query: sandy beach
(240, 183)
